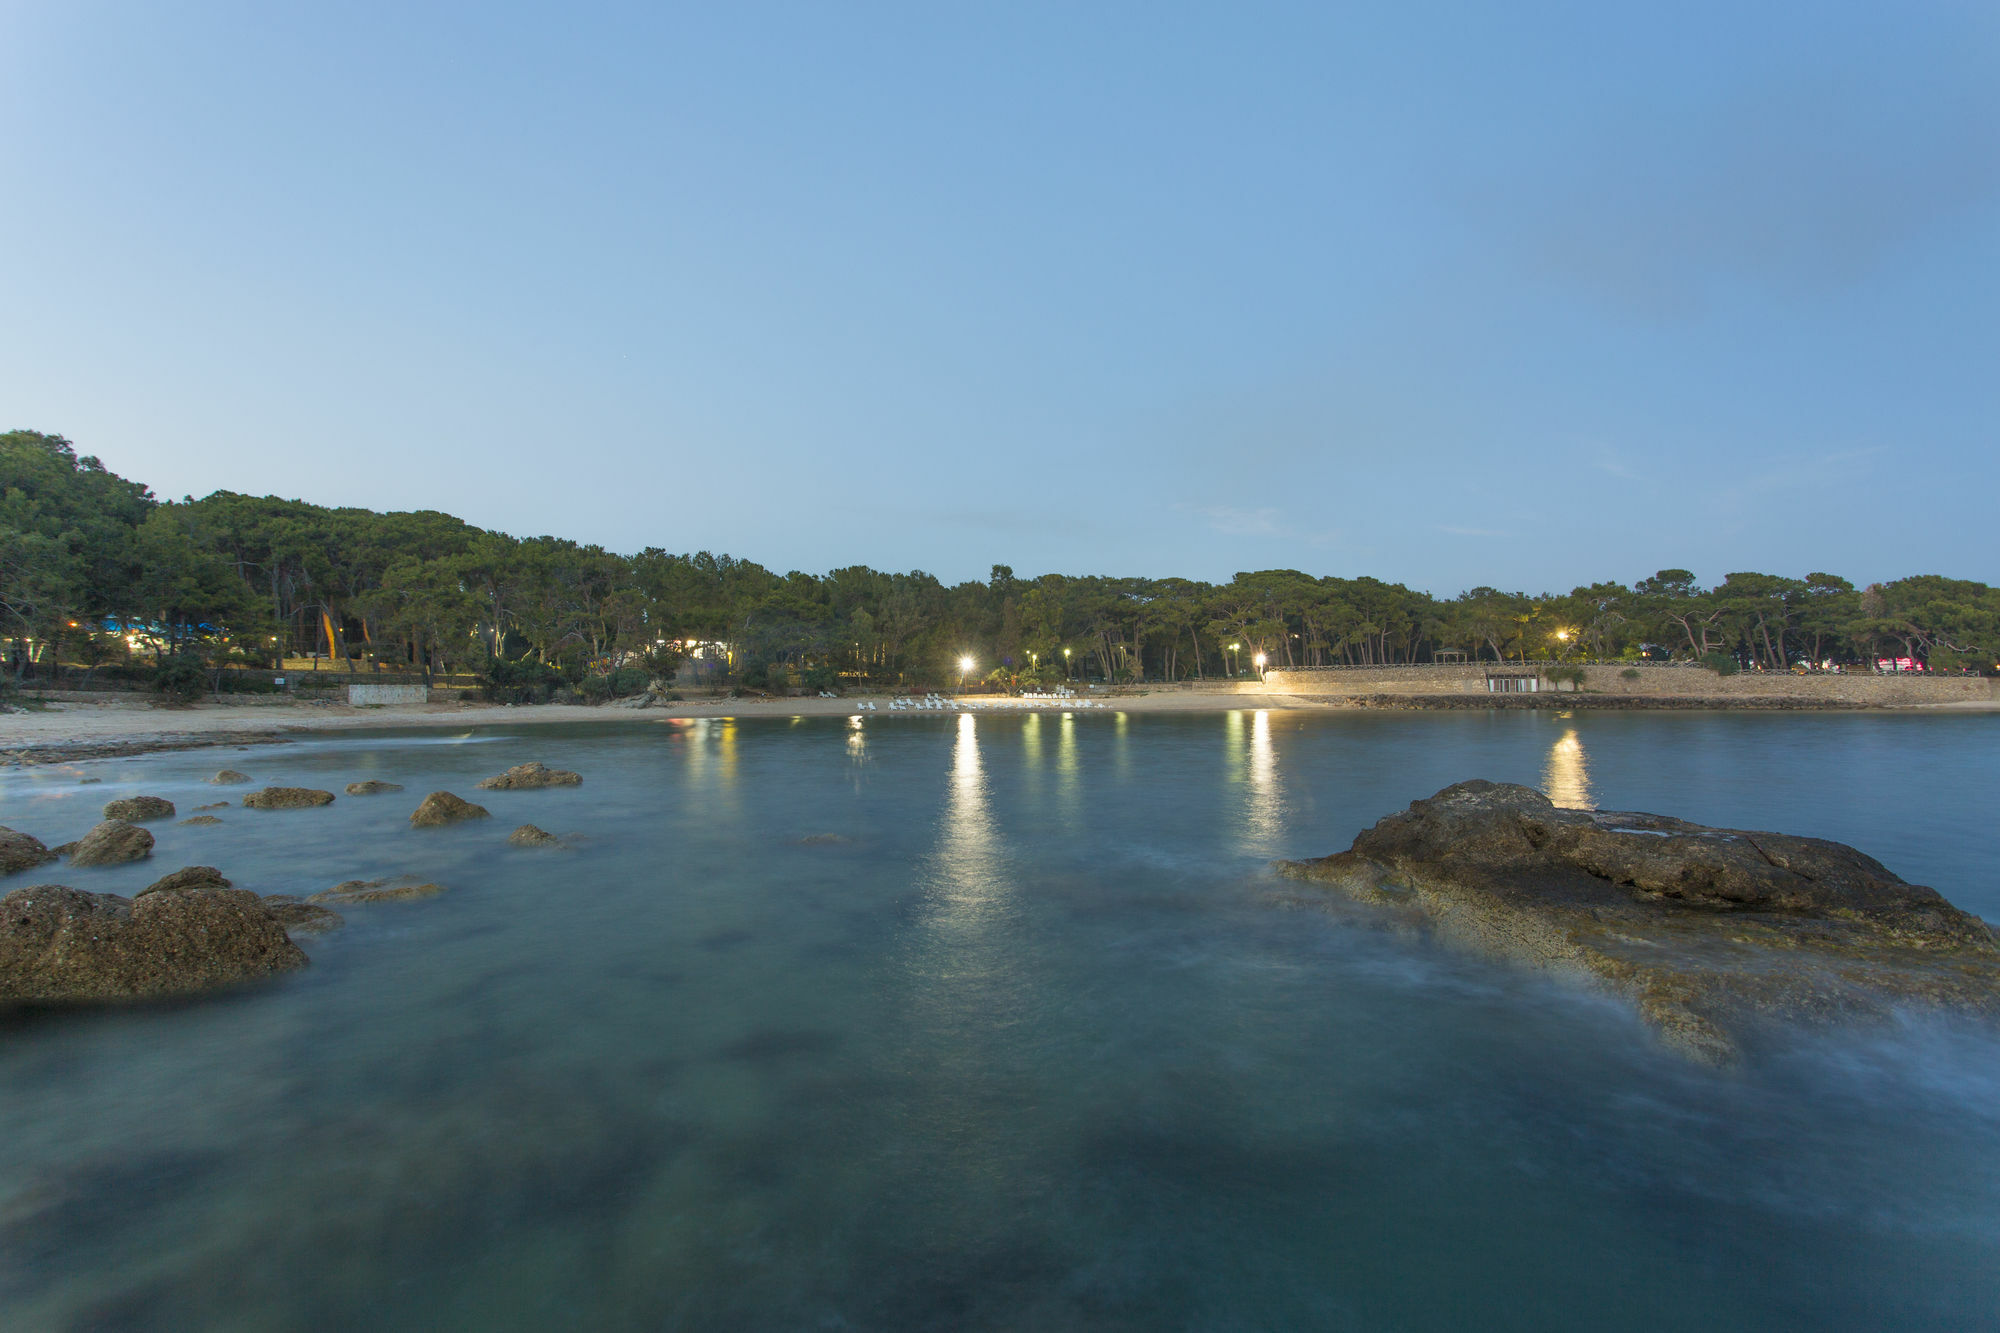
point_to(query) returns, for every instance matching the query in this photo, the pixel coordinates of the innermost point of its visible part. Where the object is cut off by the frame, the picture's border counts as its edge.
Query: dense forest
(95, 571)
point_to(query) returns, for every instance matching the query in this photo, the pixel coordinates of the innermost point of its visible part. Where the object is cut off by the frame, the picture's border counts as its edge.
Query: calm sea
(943, 1023)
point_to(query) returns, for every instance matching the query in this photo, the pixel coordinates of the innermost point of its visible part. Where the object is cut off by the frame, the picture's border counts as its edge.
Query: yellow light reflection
(1263, 811)
(969, 879)
(1566, 774)
(1068, 770)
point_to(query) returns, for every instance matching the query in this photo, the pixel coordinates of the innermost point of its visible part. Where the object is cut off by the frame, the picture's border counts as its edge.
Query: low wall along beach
(1651, 681)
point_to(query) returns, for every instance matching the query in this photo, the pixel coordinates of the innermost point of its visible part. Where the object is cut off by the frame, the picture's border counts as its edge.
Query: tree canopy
(84, 552)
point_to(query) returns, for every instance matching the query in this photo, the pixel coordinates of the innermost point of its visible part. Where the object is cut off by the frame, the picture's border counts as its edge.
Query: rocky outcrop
(111, 843)
(1712, 932)
(199, 820)
(300, 917)
(188, 878)
(360, 892)
(372, 788)
(524, 777)
(287, 798)
(135, 808)
(61, 945)
(19, 851)
(229, 777)
(441, 808)
(529, 836)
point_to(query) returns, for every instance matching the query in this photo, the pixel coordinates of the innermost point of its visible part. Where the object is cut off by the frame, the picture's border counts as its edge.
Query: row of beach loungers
(938, 702)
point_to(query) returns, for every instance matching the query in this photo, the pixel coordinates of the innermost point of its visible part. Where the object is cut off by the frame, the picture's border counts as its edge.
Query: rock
(1714, 933)
(111, 843)
(58, 944)
(64, 848)
(529, 836)
(200, 820)
(214, 805)
(191, 877)
(372, 788)
(135, 808)
(287, 798)
(19, 851)
(356, 892)
(524, 777)
(300, 917)
(229, 777)
(87, 782)
(441, 808)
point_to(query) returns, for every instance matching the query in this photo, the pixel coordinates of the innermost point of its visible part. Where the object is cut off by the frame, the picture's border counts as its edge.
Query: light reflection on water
(1566, 775)
(1036, 1042)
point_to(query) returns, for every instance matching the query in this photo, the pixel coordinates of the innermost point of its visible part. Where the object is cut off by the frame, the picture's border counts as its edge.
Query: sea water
(995, 1022)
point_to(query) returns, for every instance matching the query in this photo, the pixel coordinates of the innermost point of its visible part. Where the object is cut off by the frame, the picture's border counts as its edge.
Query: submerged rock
(229, 777)
(441, 808)
(20, 851)
(191, 877)
(356, 892)
(523, 777)
(287, 798)
(197, 820)
(301, 917)
(1710, 931)
(58, 944)
(135, 808)
(372, 787)
(111, 843)
(529, 836)
(214, 805)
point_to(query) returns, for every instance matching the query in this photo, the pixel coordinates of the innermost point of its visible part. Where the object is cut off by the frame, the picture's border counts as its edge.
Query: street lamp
(1258, 662)
(964, 668)
(1232, 657)
(1065, 664)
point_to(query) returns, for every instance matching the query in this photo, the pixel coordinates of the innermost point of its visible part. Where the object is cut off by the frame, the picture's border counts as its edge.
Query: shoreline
(70, 732)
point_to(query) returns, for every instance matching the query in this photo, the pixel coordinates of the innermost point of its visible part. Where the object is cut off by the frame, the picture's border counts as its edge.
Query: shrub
(821, 678)
(1722, 664)
(627, 681)
(1574, 675)
(180, 679)
(521, 682)
(1629, 673)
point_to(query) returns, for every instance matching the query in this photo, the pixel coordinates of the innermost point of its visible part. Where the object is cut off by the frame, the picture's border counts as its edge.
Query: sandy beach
(65, 731)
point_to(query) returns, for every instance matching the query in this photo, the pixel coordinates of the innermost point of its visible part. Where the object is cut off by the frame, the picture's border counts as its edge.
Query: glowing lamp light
(1258, 661)
(964, 664)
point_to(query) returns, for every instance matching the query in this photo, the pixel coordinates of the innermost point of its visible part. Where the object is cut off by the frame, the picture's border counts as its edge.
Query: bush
(521, 682)
(628, 681)
(1629, 673)
(237, 682)
(821, 678)
(1556, 675)
(1722, 664)
(180, 679)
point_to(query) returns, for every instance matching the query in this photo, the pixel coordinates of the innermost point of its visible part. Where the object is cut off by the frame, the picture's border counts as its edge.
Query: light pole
(1065, 664)
(964, 667)
(1258, 662)
(1233, 648)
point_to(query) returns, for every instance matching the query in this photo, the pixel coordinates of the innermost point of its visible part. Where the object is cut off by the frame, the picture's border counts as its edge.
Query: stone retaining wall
(1668, 682)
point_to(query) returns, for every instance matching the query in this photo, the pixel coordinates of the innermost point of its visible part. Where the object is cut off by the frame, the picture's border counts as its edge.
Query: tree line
(95, 569)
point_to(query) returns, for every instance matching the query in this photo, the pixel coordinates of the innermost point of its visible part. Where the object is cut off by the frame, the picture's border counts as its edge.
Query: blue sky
(1513, 294)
